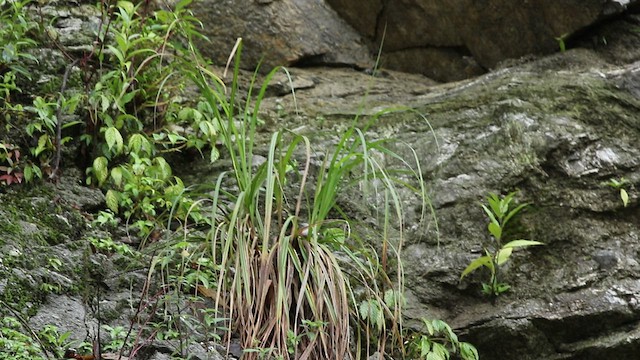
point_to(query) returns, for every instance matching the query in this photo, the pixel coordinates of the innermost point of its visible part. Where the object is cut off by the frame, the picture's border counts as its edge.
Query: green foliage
(621, 186)
(107, 245)
(499, 212)
(274, 266)
(15, 344)
(136, 115)
(44, 128)
(118, 336)
(437, 341)
(14, 43)
(53, 341)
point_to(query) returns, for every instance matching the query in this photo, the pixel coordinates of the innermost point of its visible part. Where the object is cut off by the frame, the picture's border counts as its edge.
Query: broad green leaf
(116, 175)
(135, 142)
(468, 351)
(28, 173)
(502, 287)
(100, 169)
(163, 166)
(503, 255)
(453, 338)
(185, 114)
(208, 129)
(182, 4)
(475, 264)
(139, 144)
(495, 230)
(114, 139)
(625, 197)
(126, 98)
(440, 351)
(163, 16)
(429, 326)
(111, 198)
(425, 346)
(439, 325)
(174, 138)
(126, 6)
(104, 103)
(521, 243)
(215, 154)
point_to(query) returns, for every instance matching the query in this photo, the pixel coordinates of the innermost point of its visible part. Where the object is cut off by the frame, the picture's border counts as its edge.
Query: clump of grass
(278, 275)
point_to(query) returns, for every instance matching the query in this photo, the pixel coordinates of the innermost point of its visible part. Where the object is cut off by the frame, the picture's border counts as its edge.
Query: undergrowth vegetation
(265, 255)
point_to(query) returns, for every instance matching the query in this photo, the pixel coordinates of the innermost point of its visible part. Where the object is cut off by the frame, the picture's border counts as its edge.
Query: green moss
(22, 293)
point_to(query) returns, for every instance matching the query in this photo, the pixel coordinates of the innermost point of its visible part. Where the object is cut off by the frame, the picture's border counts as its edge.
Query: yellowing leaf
(116, 175)
(503, 255)
(624, 196)
(521, 243)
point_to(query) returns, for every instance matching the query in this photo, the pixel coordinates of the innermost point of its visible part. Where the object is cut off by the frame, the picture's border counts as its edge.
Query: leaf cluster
(499, 211)
(437, 341)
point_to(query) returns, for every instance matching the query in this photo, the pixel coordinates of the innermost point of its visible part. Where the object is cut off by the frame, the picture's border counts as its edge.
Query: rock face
(448, 40)
(302, 32)
(555, 130)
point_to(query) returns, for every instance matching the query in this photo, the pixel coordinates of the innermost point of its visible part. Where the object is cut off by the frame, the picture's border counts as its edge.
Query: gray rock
(554, 129)
(433, 37)
(279, 33)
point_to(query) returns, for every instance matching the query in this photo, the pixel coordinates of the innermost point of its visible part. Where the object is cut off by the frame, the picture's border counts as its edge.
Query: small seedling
(499, 212)
(620, 185)
(562, 42)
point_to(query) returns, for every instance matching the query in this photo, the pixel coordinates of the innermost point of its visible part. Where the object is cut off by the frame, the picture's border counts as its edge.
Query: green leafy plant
(109, 246)
(137, 115)
(621, 186)
(274, 258)
(53, 340)
(437, 341)
(562, 42)
(15, 344)
(499, 211)
(44, 130)
(15, 26)
(118, 336)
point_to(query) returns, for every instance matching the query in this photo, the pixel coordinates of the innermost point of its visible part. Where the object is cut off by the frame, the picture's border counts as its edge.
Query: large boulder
(451, 40)
(555, 130)
(303, 33)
